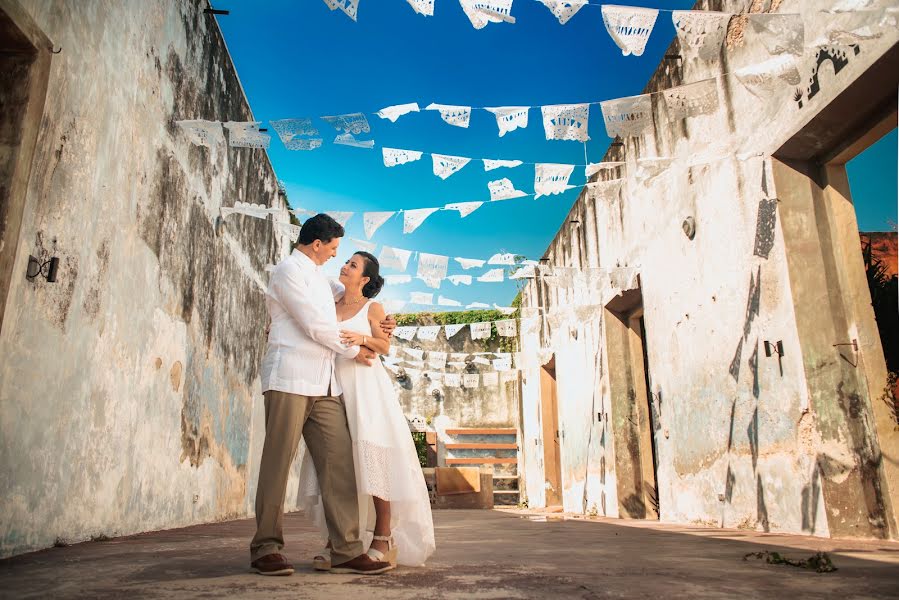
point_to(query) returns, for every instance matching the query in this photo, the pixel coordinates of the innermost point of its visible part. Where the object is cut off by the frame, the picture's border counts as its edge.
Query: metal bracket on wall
(853, 343)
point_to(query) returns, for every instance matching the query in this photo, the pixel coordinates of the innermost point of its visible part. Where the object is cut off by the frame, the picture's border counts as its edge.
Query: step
(482, 461)
(482, 432)
(482, 446)
(505, 477)
(506, 492)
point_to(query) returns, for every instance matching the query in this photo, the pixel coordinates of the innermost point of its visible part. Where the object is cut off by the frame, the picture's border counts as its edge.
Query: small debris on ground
(819, 562)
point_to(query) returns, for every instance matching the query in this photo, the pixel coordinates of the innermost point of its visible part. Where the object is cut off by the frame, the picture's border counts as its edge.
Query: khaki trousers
(322, 420)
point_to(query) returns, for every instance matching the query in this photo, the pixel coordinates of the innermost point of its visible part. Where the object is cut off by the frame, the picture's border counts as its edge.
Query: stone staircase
(496, 448)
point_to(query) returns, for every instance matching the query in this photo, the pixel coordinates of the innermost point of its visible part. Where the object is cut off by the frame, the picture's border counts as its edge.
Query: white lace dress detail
(387, 464)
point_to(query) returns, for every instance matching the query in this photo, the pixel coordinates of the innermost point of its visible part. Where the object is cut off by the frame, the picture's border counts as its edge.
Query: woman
(394, 508)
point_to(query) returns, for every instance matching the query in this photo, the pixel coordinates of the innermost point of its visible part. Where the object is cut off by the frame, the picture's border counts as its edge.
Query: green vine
(501, 344)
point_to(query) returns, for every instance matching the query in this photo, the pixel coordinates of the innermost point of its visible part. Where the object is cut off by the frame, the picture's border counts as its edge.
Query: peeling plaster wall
(129, 389)
(474, 407)
(736, 441)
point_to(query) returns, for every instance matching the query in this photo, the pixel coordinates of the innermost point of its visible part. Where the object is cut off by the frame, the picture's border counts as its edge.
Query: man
(302, 398)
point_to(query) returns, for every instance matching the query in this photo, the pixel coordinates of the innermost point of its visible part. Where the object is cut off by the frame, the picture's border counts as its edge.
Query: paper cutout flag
(492, 276)
(480, 331)
(458, 116)
(503, 189)
(394, 258)
(550, 178)
(363, 245)
(405, 333)
(460, 279)
(629, 27)
(429, 333)
(432, 266)
(373, 220)
(442, 301)
(353, 123)
(395, 156)
(423, 7)
(566, 122)
(412, 219)
(349, 7)
(203, 133)
(445, 165)
(510, 118)
(482, 12)
(564, 9)
(246, 135)
(502, 259)
(452, 330)
(470, 263)
(490, 164)
(464, 208)
(392, 113)
(423, 298)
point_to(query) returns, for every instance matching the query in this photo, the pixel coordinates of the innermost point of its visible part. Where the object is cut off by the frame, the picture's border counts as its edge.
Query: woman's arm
(378, 342)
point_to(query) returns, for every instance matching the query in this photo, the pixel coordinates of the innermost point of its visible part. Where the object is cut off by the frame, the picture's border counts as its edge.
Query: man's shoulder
(289, 268)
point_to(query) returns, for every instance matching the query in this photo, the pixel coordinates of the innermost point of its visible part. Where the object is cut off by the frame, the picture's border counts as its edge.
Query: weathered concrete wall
(475, 407)
(737, 442)
(129, 389)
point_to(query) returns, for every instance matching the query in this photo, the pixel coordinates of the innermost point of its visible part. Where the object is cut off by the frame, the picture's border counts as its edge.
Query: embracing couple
(360, 480)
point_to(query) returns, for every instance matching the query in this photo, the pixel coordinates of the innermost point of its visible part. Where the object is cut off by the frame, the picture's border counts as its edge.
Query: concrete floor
(481, 554)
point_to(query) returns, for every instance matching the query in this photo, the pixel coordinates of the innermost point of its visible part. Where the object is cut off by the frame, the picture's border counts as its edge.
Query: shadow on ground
(481, 554)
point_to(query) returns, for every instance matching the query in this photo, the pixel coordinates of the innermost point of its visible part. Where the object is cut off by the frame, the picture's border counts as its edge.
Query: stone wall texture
(738, 440)
(129, 389)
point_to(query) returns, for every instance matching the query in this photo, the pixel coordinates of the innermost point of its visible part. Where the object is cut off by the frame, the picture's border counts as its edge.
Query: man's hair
(320, 227)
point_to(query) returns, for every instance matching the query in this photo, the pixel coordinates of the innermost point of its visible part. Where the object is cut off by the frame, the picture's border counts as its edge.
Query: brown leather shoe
(362, 565)
(272, 564)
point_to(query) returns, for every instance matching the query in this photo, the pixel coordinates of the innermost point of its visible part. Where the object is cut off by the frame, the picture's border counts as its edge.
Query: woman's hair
(372, 271)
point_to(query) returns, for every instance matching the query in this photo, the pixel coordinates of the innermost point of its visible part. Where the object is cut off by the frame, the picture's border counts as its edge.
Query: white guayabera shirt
(304, 338)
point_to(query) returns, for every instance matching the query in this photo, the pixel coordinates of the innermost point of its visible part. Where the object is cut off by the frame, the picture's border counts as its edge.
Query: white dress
(386, 460)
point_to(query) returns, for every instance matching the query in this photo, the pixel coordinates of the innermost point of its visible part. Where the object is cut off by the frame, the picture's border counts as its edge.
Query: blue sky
(299, 59)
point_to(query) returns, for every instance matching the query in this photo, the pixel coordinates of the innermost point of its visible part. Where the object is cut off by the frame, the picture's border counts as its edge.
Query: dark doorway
(24, 71)
(632, 415)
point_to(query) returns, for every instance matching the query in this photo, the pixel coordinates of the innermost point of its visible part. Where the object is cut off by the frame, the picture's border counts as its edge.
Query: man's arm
(290, 289)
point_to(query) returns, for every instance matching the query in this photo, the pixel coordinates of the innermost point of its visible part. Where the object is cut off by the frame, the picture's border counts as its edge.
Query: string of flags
(629, 26)
(619, 278)
(549, 179)
(701, 35)
(482, 12)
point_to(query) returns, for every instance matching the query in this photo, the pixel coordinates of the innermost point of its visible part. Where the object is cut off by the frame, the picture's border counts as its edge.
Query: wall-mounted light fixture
(774, 348)
(45, 269)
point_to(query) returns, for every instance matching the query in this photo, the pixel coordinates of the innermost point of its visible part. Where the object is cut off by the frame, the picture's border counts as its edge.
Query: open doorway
(24, 72)
(552, 451)
(839, 335)
(634, 429)
(872, 182)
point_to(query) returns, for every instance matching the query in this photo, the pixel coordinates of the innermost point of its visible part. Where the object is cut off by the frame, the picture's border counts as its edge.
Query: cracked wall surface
(738, 442)
(129, 389)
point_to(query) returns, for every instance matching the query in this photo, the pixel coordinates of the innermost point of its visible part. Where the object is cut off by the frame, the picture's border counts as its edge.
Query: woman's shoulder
(376, 310)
